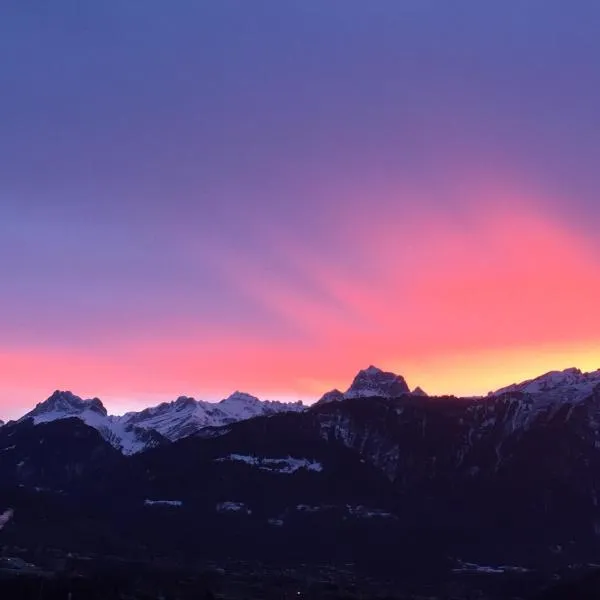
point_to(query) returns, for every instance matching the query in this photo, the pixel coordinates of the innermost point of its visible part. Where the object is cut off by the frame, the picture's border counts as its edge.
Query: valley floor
(71, 577)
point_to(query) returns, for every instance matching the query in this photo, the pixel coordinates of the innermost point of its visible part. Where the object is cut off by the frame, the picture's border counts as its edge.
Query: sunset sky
(204, 196)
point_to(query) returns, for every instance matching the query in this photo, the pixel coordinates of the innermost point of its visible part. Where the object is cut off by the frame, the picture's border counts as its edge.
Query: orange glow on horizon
(458, 306)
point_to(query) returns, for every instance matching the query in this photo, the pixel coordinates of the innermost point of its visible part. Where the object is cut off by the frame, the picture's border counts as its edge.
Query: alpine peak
(64, 404)
(372, 381)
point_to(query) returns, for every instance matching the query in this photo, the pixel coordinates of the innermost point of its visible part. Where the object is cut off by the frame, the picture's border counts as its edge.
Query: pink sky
(495, 294)
(195, 199)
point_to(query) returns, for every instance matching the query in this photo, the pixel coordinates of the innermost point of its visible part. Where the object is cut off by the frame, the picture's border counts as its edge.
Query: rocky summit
(373, 382)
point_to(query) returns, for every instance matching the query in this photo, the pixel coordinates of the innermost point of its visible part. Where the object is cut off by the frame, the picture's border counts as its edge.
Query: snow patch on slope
(234, 507)
(176, 503)
(355, 511)
(466, 567)
(287, 465)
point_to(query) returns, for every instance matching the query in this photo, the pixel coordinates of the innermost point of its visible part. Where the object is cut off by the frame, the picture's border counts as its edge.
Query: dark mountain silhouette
(512, 478)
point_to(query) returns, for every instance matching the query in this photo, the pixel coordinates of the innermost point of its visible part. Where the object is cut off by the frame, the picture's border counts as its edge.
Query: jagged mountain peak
(373, 381)
(121, 435)
(419, 392)
(137, 431)
(62, 404)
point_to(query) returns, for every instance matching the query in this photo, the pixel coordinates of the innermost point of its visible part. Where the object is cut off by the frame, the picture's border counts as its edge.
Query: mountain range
(170, 421)
(167, 422)
(374, 473)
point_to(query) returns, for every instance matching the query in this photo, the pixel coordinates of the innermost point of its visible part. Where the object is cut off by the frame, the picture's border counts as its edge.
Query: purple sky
(181, 183)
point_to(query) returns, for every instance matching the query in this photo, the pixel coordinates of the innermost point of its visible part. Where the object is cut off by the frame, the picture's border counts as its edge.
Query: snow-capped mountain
(570, 385)
(555, 416)
(570, 395)
(61, 405)
(169, 421)
(123, 436)
(186, 416)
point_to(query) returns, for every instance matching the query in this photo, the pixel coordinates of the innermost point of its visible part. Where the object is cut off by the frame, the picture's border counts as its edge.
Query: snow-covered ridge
(169, 421)
(570, 385)
(185, 416)
(286, 465)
